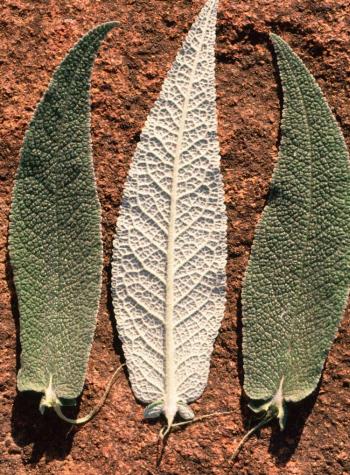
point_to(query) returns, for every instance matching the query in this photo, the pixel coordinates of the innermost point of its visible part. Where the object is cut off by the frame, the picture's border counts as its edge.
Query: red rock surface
(34, 37)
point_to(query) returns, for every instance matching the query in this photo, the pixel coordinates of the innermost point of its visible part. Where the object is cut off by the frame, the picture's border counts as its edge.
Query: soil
(132, 63)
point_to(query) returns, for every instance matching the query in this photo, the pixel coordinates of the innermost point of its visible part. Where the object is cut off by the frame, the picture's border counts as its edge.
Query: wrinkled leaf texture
(297, 281)
(169, 253)
(55, 243)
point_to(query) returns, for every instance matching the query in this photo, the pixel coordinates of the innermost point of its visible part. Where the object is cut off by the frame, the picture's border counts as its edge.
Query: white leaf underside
(169, 258)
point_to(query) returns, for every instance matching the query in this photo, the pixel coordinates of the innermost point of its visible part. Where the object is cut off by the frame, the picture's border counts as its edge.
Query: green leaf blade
(55, 242)
(297, 281)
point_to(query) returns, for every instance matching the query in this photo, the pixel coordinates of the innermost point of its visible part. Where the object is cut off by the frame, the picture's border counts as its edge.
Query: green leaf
(55, 242)
(297, 281)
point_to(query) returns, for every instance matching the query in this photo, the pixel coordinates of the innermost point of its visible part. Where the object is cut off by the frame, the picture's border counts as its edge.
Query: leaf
(55, 242)
(168, 277)
(297, 281)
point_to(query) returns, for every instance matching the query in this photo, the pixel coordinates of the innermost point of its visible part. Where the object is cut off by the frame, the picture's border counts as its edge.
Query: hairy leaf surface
(169, 254)
(298, 275)
(55, 243)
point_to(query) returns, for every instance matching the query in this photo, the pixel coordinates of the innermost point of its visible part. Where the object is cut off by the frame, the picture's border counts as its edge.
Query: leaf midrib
(60, 140)
(170, 377)
(298, 294)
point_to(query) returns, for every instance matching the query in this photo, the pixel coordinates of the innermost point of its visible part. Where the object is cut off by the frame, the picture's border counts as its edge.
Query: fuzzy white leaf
(170, 250)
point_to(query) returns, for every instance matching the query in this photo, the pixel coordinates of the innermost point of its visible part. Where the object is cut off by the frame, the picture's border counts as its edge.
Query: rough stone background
(34, 37)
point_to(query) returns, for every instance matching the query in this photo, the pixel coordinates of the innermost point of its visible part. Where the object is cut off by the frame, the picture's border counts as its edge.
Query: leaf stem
(201, 418)
(83, 420)
(166, 430)
(248, 435)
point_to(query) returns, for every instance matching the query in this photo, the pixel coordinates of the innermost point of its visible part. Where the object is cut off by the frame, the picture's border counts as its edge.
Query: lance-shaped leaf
(55, 243)
(298, 275)
(169, 254)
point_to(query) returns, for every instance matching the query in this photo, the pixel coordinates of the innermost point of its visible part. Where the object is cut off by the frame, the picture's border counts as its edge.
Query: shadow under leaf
(42, 435)
(45, 436)
(283, 444)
